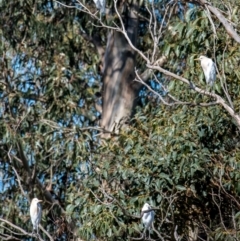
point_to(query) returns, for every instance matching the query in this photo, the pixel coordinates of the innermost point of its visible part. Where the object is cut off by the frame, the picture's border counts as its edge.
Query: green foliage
(179, 163)
(194, 36)
(182, 164)
(183, 160)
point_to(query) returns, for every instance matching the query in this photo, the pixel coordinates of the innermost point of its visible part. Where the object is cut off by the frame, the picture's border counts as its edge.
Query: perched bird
(209, 69)
(100, 4)
(147, 217)
(35, 213)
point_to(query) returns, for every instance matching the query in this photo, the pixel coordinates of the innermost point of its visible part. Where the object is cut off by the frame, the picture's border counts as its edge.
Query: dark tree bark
(119, 88)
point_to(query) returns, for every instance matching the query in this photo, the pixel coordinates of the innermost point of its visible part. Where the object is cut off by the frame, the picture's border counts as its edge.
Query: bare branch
(219, 99)
(23, 232)
(230, 30)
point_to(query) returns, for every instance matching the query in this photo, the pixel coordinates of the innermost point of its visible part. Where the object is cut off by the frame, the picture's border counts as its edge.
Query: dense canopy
(103, 112)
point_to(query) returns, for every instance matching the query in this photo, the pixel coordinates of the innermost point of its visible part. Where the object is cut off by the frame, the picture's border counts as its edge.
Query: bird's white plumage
(100, 4)
(35, 213)
(147, 217)
(209, 69)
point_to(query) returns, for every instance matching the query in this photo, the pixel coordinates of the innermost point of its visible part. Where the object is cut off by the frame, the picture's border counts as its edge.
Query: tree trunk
(120, 91)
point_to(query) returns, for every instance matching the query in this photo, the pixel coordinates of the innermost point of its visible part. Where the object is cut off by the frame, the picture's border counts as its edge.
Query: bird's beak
(196, 59)
(40, 201)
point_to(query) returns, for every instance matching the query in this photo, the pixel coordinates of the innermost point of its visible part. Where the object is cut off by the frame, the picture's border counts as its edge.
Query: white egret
(35, 213)
(147, 217)
(100, 4)
(209, 69)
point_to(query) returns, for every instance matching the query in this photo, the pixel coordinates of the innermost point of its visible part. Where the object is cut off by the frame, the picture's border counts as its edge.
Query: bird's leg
(144, 233)
(211, 90)
(35, 233)
(149, 234)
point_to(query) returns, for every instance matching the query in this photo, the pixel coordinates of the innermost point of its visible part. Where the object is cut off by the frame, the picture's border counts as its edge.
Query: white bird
(35, 213)
(147, 217)
(209, 69)
(100, 4)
